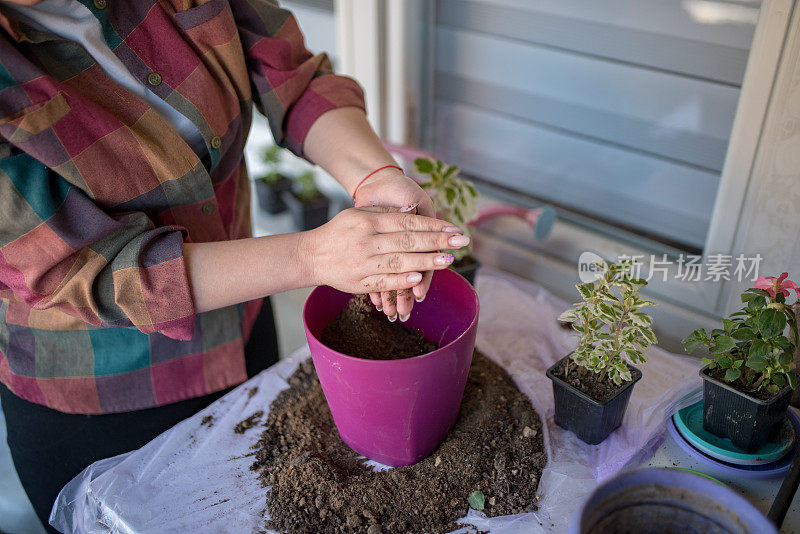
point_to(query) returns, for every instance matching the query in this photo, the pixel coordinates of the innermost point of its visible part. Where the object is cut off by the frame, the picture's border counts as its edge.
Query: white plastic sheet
(196, 477)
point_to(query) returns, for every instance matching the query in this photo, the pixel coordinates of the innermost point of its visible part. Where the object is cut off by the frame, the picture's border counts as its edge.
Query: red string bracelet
(372, 173)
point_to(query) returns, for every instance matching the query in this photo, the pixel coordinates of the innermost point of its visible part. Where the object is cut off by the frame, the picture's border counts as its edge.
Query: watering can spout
(540, 219)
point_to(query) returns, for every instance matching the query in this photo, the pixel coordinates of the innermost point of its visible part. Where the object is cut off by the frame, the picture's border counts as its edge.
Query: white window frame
(383, 66)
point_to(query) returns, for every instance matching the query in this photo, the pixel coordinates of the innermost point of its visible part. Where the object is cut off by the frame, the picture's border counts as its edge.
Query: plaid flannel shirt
(98, 194)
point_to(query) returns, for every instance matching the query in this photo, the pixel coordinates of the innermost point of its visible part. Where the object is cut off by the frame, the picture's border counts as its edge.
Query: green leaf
(423, 165)
(785, 358)
(756, 303)
(472, 190)
(725, 362)
(758, 347)
(771, 323)
(728, 325)
(451, 194)
(567, 316)
(756, 291)
(450, 171)
(731, 375)
(691, 345)
(779, 380)
(757, 363)
(747, 297)
(707, 361)
(792, 376)
(743, 334)
(477, 500)
(641, 319)
(783, 343)
(586, 289)
(738, 364)
(722, 344)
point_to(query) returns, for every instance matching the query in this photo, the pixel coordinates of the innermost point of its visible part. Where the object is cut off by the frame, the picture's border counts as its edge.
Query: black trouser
(50, 448)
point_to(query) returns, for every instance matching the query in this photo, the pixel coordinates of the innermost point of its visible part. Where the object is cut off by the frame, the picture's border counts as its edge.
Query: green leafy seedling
(477, 500)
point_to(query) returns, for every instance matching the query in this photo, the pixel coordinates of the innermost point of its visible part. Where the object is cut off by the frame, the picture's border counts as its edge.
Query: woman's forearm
(343, 143)
(223, 273)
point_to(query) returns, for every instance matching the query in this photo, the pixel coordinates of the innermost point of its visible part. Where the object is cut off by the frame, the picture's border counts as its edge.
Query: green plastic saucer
(689, 422)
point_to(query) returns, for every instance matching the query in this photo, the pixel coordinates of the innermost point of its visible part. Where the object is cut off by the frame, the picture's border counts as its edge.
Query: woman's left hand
(392, 188)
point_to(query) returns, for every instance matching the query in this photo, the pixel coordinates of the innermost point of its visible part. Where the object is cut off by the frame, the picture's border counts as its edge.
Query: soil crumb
(250, 422)
(364, 332)
(319, 485)
(251, 392)
(587, 381)
(207, 421)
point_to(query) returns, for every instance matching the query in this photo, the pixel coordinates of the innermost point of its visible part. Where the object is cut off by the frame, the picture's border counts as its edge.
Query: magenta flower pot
(397, 412)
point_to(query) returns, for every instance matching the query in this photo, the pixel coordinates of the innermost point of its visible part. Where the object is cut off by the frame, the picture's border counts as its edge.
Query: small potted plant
(272, 185)
(749, 377)
(308, 205)
(592, 385)
(455, 201)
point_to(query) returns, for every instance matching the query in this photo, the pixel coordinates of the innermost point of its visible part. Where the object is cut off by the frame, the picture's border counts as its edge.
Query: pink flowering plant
(752, 346)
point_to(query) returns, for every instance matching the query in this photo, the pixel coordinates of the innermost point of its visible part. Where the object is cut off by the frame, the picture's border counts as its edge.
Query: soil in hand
(361, 331)
(319, 485)
(589, 382)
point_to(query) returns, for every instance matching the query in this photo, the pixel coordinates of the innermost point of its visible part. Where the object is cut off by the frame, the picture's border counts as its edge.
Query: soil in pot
(361, 331)
(587, 382)
(318, 484)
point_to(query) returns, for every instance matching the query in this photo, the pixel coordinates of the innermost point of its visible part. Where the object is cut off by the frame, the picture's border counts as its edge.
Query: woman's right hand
(372, 249)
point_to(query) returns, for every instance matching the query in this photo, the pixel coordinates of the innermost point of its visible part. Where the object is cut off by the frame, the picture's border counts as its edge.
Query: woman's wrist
(378, 174)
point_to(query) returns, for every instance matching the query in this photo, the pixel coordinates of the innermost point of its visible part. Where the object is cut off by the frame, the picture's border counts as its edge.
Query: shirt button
(153, 78)
(216, 142)
(208, 208)
(100, 4)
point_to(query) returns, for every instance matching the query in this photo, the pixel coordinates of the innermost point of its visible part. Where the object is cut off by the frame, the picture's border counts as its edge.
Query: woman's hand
(369, 250)
(390, 187)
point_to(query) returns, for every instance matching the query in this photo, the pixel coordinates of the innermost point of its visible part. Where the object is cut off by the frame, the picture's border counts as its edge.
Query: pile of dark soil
(319, 485)
(361, 331)
(587, 381)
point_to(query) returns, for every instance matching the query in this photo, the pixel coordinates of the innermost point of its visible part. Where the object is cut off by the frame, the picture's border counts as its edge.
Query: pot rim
(749, 397)
(636, 377)
(433, 353)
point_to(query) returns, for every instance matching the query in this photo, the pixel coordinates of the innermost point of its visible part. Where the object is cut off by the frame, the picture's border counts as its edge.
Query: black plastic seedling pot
(270, 194)
(747, 421)
(308, 214)
(592, 421)
(469, 269)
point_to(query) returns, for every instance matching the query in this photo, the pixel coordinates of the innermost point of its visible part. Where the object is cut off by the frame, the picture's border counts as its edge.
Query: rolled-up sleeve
(58, 249)
(291, 86)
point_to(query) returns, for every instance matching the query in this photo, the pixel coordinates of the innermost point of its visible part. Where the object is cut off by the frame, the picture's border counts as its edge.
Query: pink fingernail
(409, 208)
(379, 308)
(458, 241)
(414, 278)
(393, 318)
(443, 259)
(404, 318)
(452, 230)
(419, 299)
